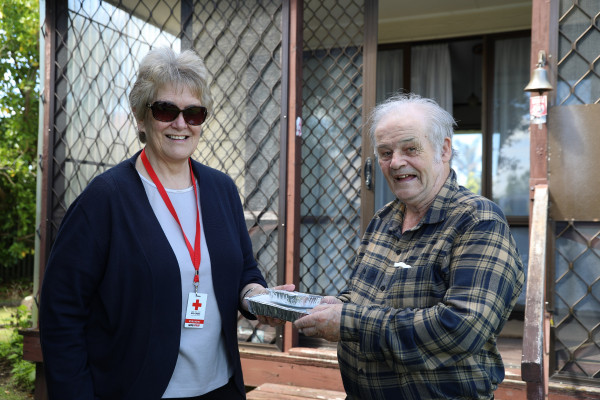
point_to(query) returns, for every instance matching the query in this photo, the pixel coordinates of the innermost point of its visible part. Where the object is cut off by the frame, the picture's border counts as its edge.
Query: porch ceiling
(399, 20)
(410, 20)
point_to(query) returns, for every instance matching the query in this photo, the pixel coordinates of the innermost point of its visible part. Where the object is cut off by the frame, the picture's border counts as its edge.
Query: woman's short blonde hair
(162, 66)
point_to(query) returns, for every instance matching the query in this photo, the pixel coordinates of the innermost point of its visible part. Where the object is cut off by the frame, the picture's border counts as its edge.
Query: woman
(152, 261)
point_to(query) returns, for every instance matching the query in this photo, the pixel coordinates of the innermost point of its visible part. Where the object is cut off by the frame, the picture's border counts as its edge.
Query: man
(435, 278)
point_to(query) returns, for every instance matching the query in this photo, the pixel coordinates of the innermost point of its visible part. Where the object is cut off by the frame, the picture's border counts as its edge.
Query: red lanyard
(194, 252)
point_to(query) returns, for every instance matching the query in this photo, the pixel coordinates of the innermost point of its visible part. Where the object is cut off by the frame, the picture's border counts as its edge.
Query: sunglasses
(167, 112)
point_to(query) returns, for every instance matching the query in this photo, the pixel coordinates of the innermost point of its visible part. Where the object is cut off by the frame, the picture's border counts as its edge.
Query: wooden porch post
(544, 36)
(367, 198)
(294, 161)
(544, 25)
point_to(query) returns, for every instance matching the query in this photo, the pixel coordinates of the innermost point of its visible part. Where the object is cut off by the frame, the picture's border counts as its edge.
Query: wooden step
(274, 391)
(508, 390)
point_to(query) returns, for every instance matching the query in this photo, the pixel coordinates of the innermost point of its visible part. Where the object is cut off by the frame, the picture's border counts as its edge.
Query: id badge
(196, 308)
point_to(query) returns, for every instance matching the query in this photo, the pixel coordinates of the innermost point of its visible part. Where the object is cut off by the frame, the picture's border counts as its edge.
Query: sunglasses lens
(164, 112)
(194, 115)
(167, 112)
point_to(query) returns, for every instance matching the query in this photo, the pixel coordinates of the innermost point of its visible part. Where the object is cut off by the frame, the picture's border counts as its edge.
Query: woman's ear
(141, 127)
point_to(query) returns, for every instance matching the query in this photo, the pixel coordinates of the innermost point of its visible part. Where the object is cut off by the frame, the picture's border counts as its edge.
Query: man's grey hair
(440, 122)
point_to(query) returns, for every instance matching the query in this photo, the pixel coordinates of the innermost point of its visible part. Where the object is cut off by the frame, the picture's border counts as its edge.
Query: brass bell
(539, 78)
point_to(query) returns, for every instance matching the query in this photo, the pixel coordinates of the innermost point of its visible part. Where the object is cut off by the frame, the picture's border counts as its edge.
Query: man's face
(413, 170)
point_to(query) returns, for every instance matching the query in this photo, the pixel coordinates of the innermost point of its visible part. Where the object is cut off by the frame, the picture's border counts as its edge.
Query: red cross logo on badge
(197, 305)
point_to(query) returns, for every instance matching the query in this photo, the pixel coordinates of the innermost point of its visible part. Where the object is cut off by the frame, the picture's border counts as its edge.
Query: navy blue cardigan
(110, 311)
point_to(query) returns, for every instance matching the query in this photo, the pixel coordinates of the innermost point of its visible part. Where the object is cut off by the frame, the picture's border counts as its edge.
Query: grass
(8, 393)
(5, 317)
(11, 294)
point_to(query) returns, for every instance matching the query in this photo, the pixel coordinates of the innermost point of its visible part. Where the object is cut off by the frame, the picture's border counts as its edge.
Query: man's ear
(447, 150)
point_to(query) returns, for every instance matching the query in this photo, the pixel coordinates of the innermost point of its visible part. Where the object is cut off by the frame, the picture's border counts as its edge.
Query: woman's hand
(263, 319)
(254, 290)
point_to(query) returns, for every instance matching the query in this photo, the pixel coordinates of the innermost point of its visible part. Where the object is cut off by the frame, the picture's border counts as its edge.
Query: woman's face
(172, 142)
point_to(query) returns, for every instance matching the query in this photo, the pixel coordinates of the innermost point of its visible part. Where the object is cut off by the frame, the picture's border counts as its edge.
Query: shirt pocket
(365, 284)
(420, 286)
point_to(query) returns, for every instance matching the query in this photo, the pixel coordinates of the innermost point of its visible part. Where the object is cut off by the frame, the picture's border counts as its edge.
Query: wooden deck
(510, 348)
(273, 391)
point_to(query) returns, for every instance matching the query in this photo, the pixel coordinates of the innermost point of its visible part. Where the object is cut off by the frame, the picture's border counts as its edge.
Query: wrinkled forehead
(402, 124)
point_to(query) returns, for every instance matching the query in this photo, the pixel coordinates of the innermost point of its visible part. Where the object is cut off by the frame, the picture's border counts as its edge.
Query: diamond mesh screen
(579, 58)
(576, 318)
(241, 44)
(577, 299)
(332, 106)
(98, 49)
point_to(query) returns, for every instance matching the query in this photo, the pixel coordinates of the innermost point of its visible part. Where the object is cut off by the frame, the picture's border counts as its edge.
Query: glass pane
(577, 299)
(331, 148)
(467, 69)
(467, 161)
(510, 141)
(390, 76)
(331, 134)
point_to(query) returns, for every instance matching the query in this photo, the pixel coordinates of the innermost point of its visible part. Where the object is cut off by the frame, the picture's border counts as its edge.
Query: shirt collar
(436, 212)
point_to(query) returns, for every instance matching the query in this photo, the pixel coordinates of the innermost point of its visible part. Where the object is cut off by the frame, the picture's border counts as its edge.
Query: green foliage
(19, 107)
(473, 182)
(11, 351)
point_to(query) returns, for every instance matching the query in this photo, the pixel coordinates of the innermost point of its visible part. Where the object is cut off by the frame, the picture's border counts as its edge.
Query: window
(492, 134)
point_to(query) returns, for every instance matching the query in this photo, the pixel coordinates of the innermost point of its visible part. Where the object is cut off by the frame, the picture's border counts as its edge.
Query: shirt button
(382, 288)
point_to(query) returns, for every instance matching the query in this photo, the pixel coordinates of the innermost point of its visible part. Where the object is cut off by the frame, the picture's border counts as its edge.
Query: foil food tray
(294, 299)
(263, 304)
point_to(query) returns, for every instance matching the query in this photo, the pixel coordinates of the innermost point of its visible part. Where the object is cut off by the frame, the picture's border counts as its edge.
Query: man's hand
(323, 320)
(330, 300)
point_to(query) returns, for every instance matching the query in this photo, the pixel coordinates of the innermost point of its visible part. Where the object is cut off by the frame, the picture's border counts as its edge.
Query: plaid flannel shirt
(423, 308)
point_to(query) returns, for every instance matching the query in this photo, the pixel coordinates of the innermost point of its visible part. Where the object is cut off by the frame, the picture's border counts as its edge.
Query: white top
(202, 364)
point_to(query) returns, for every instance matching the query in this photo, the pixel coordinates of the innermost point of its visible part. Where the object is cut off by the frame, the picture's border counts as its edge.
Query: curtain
(431, 74)
(510, 140)
(510, 153)
(390, 74)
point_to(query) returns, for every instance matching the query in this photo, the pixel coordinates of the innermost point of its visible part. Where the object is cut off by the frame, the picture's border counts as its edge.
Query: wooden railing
(534, 362)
